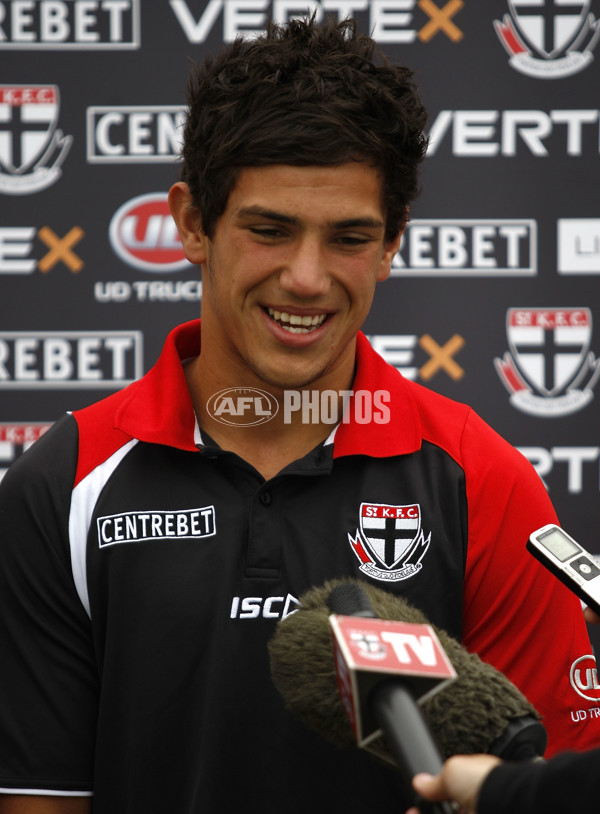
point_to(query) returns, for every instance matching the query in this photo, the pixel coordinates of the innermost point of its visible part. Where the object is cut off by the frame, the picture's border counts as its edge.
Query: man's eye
(353, 240)
(266, 231)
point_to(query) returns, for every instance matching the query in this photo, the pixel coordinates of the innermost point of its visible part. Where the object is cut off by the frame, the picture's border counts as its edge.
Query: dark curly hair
(302, 94)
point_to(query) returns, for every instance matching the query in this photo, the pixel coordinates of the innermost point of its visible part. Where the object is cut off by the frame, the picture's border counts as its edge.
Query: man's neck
(268, 428)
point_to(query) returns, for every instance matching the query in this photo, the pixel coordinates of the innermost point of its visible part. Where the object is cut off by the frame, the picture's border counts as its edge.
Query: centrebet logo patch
(549, 369)
(144, 235)
(389, 542)
(549, 39)
(32, 148)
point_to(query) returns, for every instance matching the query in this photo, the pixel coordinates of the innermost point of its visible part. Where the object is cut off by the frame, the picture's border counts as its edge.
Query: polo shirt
(143, 570)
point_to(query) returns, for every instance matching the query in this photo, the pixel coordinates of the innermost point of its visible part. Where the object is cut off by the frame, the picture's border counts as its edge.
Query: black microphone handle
(407, 736)
(394, 708)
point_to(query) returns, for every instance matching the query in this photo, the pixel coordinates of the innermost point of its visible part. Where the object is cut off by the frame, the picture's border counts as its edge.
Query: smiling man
(150, 543)
(291, 270)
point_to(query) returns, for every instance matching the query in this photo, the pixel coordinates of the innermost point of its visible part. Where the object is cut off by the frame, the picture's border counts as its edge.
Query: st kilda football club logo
(389, 541)
(549, 370)
(32, 148)
(549, 39)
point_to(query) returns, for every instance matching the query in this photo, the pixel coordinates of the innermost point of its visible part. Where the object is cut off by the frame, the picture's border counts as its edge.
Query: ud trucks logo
(32, 148)
(144, 235)
(549, 370)
(584, 678)
(389, 542)
(549, 39)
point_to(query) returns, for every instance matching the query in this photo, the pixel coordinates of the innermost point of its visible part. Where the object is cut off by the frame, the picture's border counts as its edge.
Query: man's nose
(305, 273)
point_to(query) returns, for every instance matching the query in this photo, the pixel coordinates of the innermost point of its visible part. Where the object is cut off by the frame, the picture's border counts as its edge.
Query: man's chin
(292, 383)
(289, 373)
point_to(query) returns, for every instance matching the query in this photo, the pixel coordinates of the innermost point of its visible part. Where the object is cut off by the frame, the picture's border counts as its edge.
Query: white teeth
(295, 323)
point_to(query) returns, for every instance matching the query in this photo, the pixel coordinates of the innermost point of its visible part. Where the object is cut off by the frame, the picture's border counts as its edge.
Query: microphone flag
(367, 651)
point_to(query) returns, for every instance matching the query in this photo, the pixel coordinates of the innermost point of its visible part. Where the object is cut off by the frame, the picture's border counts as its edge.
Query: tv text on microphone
(382, 668)
(362, 682)
(366, 650)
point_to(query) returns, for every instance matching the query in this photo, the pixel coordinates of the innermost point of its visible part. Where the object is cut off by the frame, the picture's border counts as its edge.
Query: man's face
(289, 275)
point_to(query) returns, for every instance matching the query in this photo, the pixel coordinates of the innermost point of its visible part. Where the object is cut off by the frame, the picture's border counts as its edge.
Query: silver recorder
(568, 561)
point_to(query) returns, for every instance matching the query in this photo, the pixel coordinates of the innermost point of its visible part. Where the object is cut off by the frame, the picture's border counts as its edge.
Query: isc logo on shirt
(263, 607)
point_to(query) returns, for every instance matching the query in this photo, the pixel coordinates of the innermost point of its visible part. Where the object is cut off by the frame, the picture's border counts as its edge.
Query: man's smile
(296, 323)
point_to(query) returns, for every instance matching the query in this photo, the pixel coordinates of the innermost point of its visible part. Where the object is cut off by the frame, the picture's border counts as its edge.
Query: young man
(151, 541)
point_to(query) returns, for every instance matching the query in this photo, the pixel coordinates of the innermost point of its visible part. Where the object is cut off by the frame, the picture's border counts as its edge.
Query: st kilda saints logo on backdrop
(16, 438)
(32, 148)
(549, 39)
(389, 542)
(549, 369)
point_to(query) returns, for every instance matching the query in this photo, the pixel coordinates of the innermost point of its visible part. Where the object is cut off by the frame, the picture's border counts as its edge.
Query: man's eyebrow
(268, 214)
(279, 217)
(349, 223)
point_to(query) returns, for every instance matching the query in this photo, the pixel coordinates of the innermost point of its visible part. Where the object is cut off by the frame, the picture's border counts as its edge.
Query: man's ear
(187, 219)
(389, 252)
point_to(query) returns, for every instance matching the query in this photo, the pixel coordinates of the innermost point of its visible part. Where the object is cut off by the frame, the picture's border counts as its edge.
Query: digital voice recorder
(568, 561)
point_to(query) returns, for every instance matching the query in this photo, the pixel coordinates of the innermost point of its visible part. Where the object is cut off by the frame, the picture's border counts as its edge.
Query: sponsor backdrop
(494, 298)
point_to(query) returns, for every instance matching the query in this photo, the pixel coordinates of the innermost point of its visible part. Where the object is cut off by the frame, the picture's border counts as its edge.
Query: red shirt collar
(158, 408)
(398, 436)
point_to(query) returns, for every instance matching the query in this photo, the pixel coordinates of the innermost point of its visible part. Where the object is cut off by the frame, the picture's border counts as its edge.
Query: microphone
(379, 680)
(480, 711)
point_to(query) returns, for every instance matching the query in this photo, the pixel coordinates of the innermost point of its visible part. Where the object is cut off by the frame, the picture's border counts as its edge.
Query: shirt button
(266, 498)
